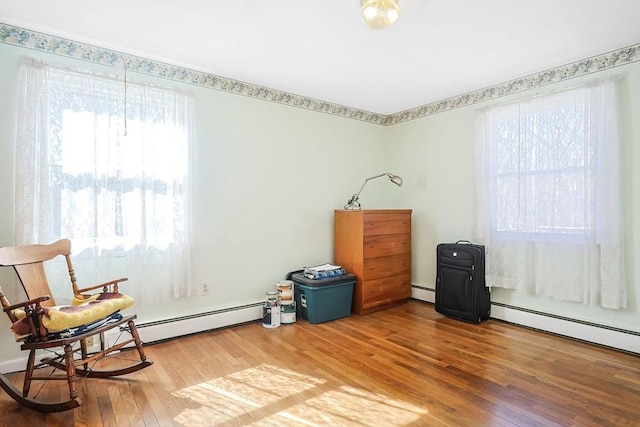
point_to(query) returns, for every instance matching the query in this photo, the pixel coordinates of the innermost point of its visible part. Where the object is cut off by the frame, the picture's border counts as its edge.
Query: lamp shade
(378, 14)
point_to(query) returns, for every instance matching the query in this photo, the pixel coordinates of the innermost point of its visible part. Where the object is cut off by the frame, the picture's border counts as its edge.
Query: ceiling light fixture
(378, 14)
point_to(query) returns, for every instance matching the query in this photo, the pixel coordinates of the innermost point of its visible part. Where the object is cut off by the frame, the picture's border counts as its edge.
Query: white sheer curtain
(548, 192)
(123, 200)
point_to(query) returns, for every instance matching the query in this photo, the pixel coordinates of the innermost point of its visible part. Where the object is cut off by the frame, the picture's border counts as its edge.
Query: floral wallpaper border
(21, 37)
(594, 64)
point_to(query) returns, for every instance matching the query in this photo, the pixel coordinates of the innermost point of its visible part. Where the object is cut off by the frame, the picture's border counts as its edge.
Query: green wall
(267, 178)
(437, 153)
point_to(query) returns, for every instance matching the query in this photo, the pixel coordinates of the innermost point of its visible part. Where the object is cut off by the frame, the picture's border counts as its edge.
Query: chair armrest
(34, 312)
(35, 301)
(104, 286)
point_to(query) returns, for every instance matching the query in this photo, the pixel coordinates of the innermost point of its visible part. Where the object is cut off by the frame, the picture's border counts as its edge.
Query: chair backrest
(28, 261)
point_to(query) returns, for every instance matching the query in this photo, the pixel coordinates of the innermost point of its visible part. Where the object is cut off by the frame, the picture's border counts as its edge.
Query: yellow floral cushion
(85, 309)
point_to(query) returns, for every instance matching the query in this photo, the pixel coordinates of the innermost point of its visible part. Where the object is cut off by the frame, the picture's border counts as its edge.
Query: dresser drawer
(377, 268)
(392, 224)
(387, 244)
(384, 291)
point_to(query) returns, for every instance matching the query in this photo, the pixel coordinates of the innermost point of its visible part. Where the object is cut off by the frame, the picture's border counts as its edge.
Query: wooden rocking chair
(41, 326)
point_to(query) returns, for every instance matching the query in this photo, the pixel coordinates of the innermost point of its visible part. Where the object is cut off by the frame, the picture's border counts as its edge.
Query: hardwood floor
(405, 366)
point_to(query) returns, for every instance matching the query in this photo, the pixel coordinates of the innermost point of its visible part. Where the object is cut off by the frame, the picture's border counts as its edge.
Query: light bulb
(378, 14)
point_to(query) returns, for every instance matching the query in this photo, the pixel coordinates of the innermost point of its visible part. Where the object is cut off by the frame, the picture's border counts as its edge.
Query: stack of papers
(323, 271)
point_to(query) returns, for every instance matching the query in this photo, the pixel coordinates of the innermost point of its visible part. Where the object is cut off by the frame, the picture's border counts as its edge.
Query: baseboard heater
(151, 332)
(617, 338)
(186, 325)
(162, 330)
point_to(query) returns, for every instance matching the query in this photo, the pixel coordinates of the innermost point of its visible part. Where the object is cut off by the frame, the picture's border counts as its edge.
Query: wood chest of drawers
(375, 245)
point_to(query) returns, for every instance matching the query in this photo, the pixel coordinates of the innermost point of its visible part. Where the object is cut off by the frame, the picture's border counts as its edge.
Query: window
(118, 187)
(543, 163)
(549, 195)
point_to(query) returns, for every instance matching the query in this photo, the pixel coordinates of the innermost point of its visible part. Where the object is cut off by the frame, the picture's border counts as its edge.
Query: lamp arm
(353, 203)
(367, 180)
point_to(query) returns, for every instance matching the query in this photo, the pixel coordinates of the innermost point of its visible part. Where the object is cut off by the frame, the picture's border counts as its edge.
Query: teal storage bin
(323, 300)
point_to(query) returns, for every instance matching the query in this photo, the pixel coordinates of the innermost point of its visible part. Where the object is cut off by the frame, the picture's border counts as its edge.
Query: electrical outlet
(204, 288)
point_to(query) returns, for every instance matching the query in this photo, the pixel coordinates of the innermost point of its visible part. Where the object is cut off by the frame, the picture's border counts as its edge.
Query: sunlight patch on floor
(351, 406)
(257, 396)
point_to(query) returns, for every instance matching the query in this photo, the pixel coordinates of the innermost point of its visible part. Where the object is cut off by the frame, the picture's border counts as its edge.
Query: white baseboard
(13, 365)
(171, 328)
(597, 334)
(423, 294)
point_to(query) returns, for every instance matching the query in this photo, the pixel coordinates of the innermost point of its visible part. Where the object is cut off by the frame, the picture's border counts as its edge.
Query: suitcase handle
(466, 242)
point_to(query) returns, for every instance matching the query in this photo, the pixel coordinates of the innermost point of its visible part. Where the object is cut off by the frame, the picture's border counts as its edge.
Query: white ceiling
(320, 49)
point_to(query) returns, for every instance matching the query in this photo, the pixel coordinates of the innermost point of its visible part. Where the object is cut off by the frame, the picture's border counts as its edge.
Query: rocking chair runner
(39, 325)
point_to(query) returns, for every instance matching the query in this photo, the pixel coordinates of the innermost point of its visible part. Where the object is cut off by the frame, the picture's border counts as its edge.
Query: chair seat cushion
(61, 318)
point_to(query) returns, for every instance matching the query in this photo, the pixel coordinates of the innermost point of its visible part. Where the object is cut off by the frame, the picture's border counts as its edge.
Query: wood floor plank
(404, 366)
(89, 413)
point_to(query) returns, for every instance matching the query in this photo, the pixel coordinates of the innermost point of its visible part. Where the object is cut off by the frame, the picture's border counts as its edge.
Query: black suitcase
(460, 286)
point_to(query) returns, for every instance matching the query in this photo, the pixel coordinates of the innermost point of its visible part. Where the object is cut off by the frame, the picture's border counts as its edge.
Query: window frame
(524, 172)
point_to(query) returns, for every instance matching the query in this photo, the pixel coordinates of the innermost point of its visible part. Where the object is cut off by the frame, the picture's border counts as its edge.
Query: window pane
(116, 189)
(542, 157)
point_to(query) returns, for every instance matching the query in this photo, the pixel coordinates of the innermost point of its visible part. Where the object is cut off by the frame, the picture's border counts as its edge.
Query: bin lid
(335, 280)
